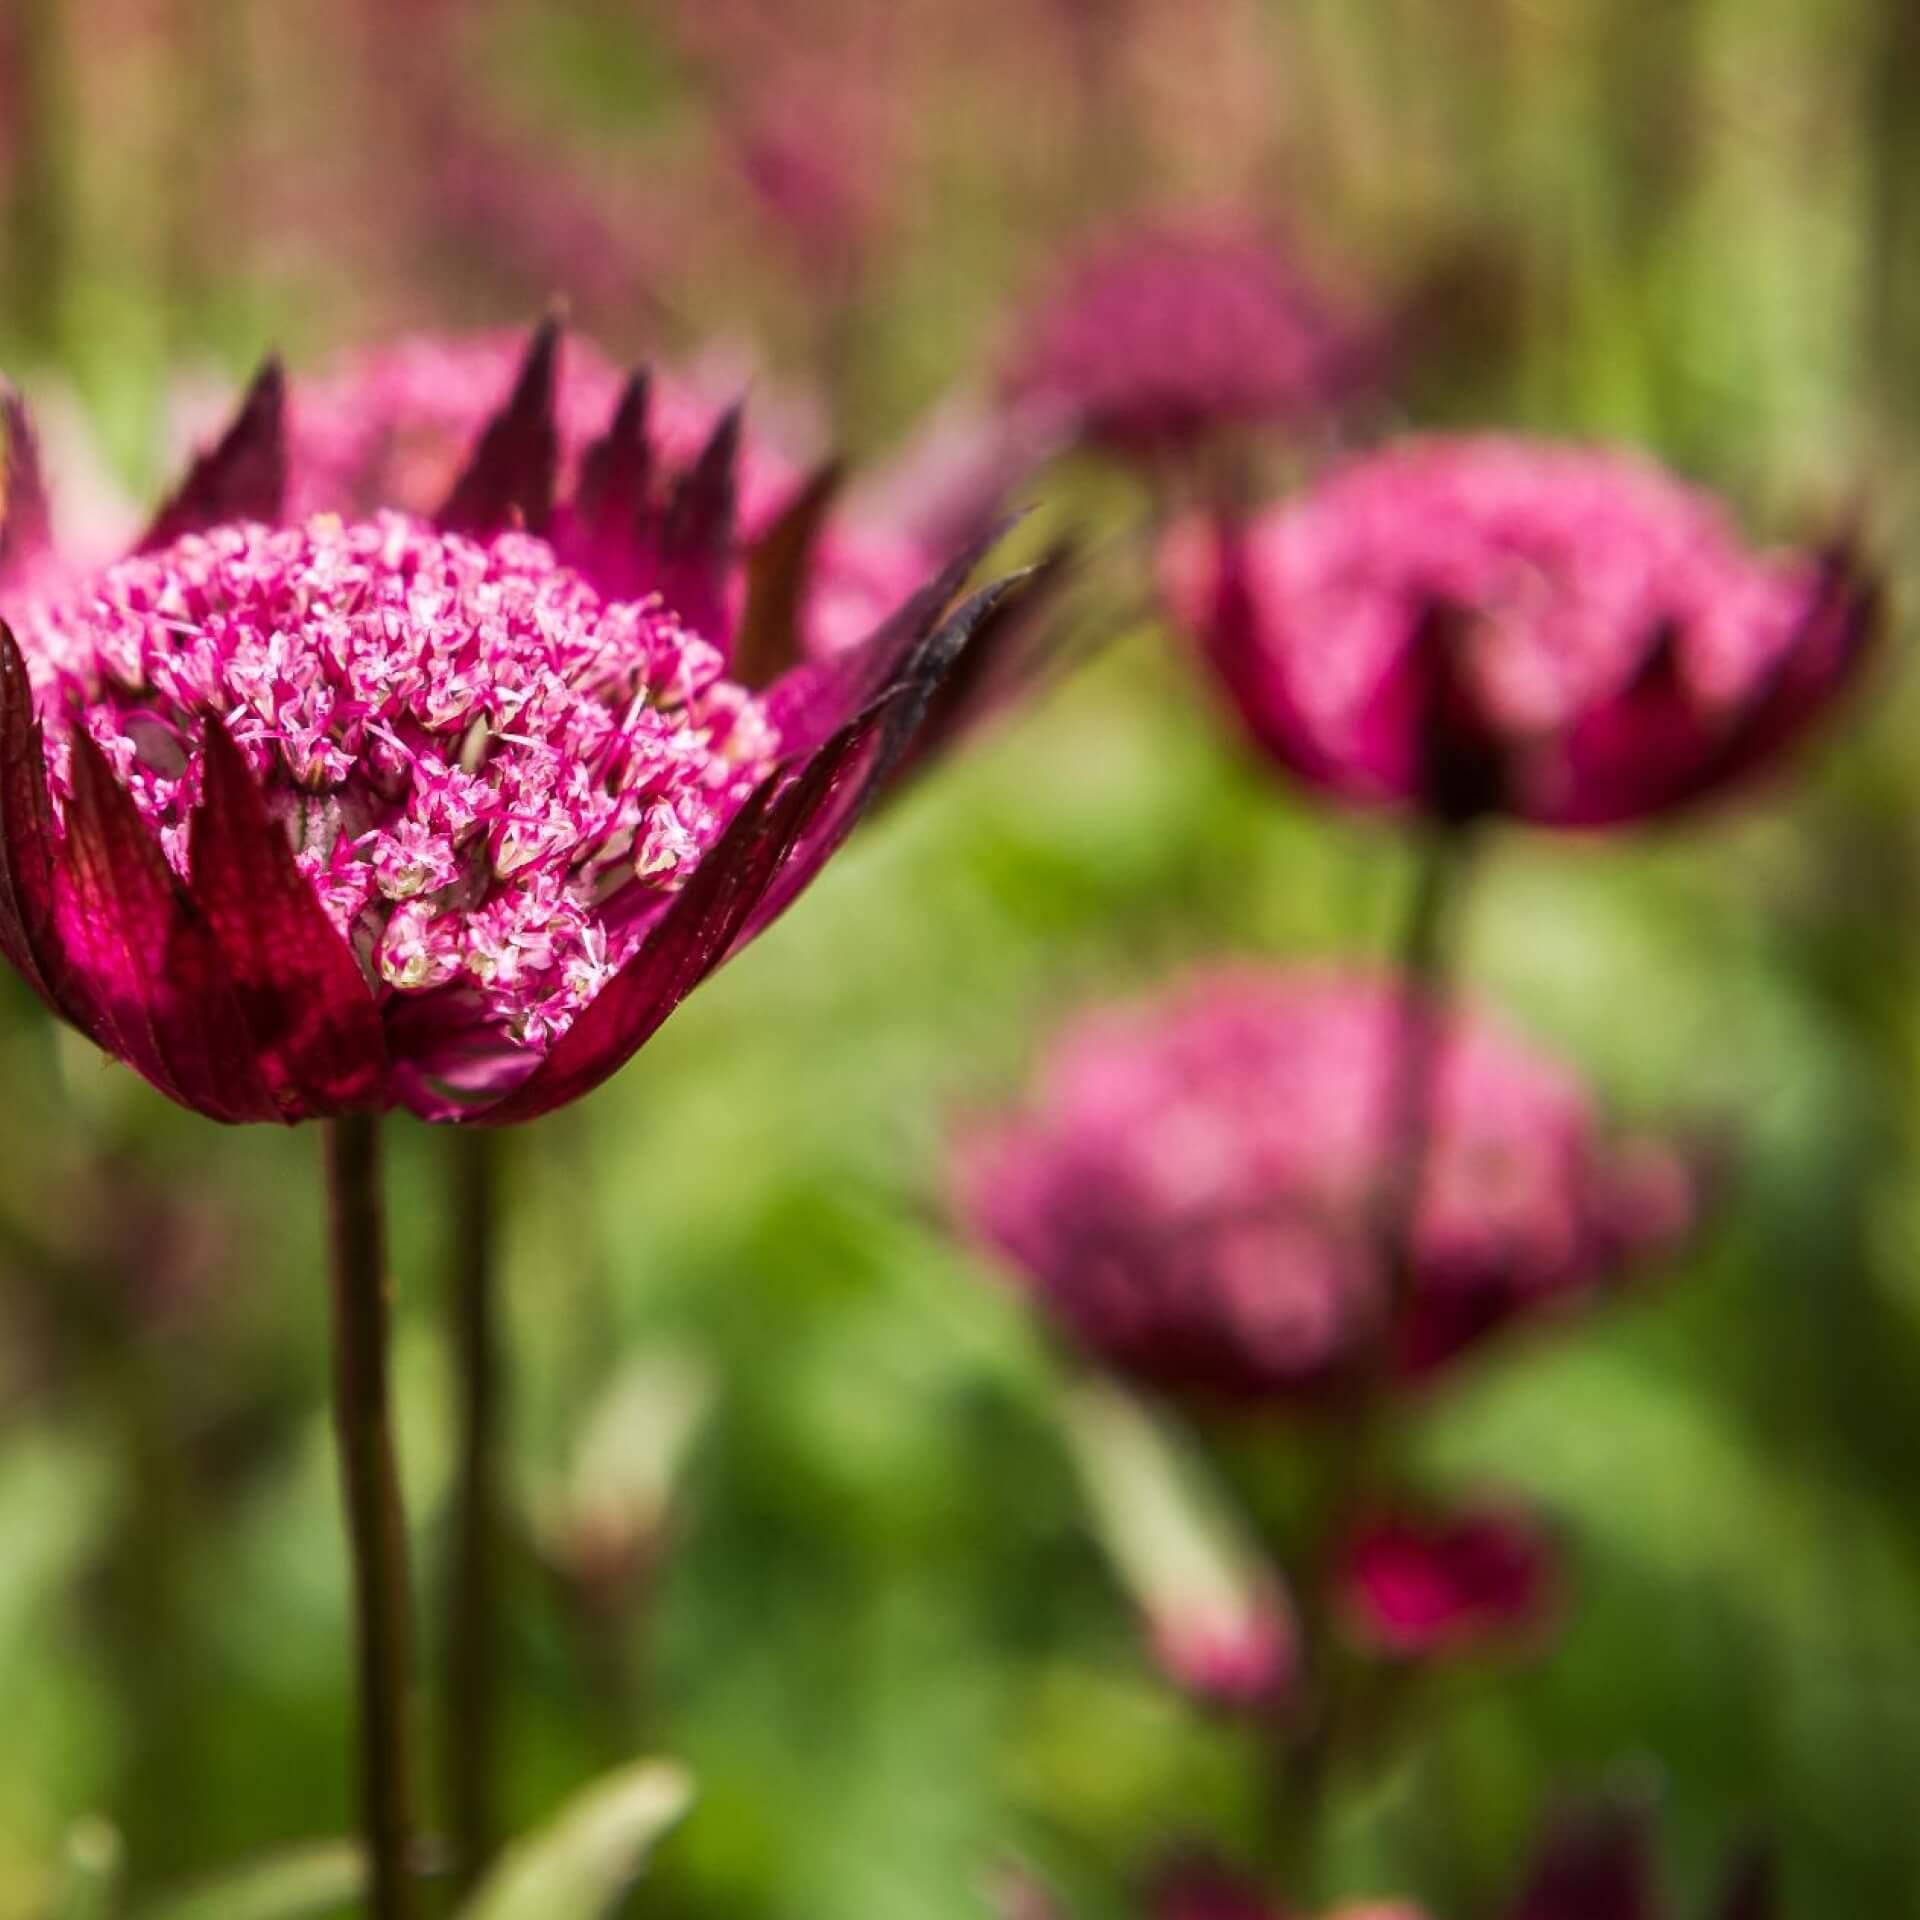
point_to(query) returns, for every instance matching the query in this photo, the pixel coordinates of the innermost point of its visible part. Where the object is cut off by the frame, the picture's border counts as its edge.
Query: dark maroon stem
(1307, 1758)
(1426, 988)
(472, 1598)
(370, 1485)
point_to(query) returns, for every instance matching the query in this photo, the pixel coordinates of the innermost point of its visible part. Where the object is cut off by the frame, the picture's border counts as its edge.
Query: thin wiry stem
(472, 1596)
(375, 1524)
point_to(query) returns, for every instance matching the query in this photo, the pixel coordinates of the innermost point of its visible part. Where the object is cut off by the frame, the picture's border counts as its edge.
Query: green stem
(472, 1598)
(371, 1490)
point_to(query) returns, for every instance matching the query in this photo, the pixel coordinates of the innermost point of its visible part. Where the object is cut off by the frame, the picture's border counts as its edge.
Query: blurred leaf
(618, 1492)
(1210, 1596)
(286, 1886)
(580, 1863)
(94, 1861)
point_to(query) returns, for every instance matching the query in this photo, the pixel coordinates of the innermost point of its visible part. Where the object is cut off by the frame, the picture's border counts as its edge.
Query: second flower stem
(375, 1522)
(472, 1597)
(1424, 983)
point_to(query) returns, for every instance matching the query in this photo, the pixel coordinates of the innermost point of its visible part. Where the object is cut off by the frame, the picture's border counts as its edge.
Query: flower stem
(1426, 973)
(472, 1597)
(371, 1489)
(1426, 986)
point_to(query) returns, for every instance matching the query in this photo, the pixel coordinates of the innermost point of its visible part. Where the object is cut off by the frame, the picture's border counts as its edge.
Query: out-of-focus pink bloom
(1491, 625)
(1238, 1662)
(1194, 1195)
(1199, 1887)
(347, 816)
(1420, 1587)
(821, 155)
(1595, 1864)
(1598, 1862)
(1164, 336)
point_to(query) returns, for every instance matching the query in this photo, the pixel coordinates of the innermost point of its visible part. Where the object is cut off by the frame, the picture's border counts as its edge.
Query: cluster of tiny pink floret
(486, 772)
(1570, 562)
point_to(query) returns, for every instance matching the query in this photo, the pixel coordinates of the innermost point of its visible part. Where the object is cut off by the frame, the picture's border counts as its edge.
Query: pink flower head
(1421, 1587)
(1491, 625)
(1240, 1660)
(1199, 1887)
(1163, 336)
(1193, 1196)
(353, 815)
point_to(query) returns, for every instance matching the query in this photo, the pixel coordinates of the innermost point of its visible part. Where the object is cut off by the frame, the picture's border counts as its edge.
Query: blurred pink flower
(1597, 1863)
(1419, 1586)
(1199, 1887)
(821, 155)
(1193, 1196)
(1491, 625)
(1167, 334)
(1239, 1660)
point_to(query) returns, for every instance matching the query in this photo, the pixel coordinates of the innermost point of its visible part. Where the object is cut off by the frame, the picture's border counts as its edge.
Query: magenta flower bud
(1159, 338)
(1493, 626)
(1193, 1195)
(1240, 1662)
(1597, 1862)
(350, 816)
(1418, 1587)
(1199, 1887)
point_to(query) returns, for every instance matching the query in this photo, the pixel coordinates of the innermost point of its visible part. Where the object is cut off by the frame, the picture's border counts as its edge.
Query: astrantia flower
(1490, 625)
(349, 815)
(1194, 1197)
(1416, 1586)
(1163, 336)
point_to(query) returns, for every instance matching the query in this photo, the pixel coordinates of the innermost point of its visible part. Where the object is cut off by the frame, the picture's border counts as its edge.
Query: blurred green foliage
(881, 1636)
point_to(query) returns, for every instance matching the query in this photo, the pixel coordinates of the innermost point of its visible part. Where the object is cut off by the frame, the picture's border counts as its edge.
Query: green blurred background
(881, 1632)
